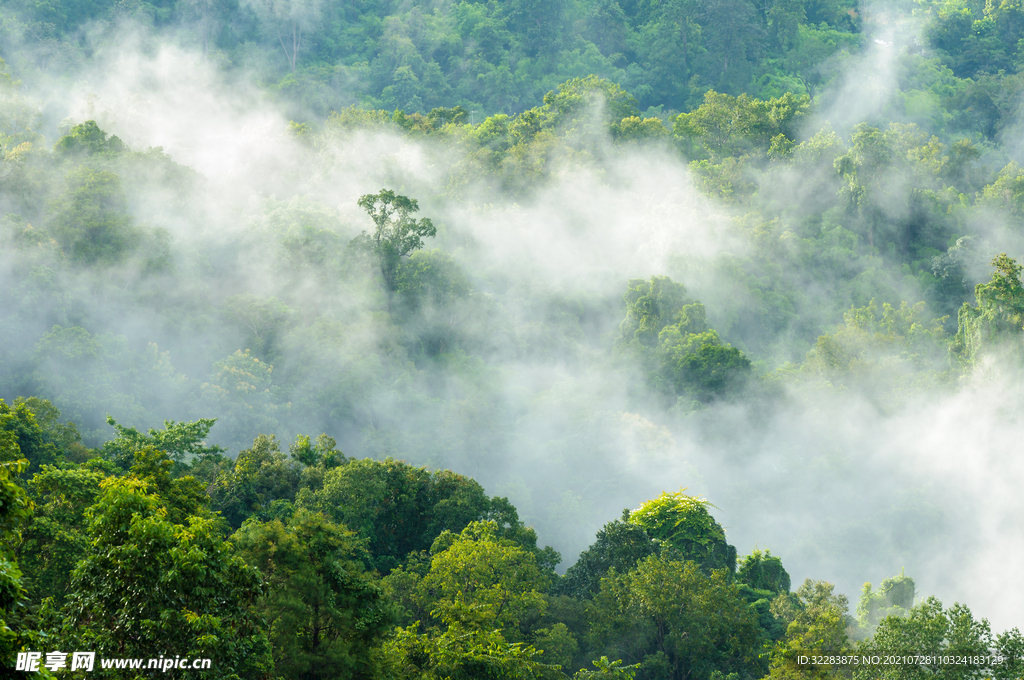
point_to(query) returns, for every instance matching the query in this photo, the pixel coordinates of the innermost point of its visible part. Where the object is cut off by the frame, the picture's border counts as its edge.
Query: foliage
(260, 476)
(325, 611)
(996, 320)
(932, 630)
(619, 545)
(149, 587)
(482, 588)
(90, 221)
(684, 524)
(763, 571)
(181, 441)
(817, 622)
(55, 539)
(15, 510)
(23, 437)
(680, 621)
(894, 597)
(728, 126)
(398, 508)
(88, 139)
(396, 233)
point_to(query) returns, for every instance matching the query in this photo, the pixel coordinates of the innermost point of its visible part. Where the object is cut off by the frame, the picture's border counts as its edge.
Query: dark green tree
(618, 545)
(324, 609)
(261, 475)
(678, 620)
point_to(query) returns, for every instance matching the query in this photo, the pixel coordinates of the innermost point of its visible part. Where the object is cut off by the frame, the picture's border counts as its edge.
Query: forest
(651, 339)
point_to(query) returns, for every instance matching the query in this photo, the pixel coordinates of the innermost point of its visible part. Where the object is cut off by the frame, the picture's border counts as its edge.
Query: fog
(843, 485)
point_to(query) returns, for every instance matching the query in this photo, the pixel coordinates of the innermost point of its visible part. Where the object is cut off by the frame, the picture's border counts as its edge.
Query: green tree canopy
(680, 621)
(684, 525)
(997, 319)
(324, 609)
(148, 587)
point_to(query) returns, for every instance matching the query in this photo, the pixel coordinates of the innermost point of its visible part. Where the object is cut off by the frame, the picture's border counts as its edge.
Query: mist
(845, 485)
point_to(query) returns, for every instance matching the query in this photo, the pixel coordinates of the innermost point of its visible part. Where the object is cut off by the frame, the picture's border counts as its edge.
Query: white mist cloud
(838, 489)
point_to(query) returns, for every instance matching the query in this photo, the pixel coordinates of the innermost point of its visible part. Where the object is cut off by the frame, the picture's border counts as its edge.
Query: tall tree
(396, 232)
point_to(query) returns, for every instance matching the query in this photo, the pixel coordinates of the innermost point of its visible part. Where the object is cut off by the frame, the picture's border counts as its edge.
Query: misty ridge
(751, 286)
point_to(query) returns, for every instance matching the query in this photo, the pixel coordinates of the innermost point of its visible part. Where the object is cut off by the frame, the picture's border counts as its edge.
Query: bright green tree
(15, 510)
(479, 590)
(997, 319)
(149, 587)
(933, 631)
(683, 524)
(182, 441)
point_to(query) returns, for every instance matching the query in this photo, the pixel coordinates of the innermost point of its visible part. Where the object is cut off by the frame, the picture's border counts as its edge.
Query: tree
(817, 623)
(398, 508)
(260, 476)
(724, 125)
(894, 597)
(90, 219)
(619, 545)
(239, 394)
(87, 139)
(432, 286)
(325, 610)
(677, 620)
(182, 441)
(15, 509)
(684, 525)
(55, 540)
(650, 306)
(933, 631)
(763, 571)
(25, 437)
(762, 578)
(479, 580)
(479, 590)
(149, 587)
(997, 319)
(396, 233)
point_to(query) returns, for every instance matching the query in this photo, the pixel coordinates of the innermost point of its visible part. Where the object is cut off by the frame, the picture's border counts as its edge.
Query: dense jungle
(485, 339)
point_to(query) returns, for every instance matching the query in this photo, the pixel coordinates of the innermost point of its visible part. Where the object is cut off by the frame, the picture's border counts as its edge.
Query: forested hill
(488, 57)
(955, 63)
(346, 310)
